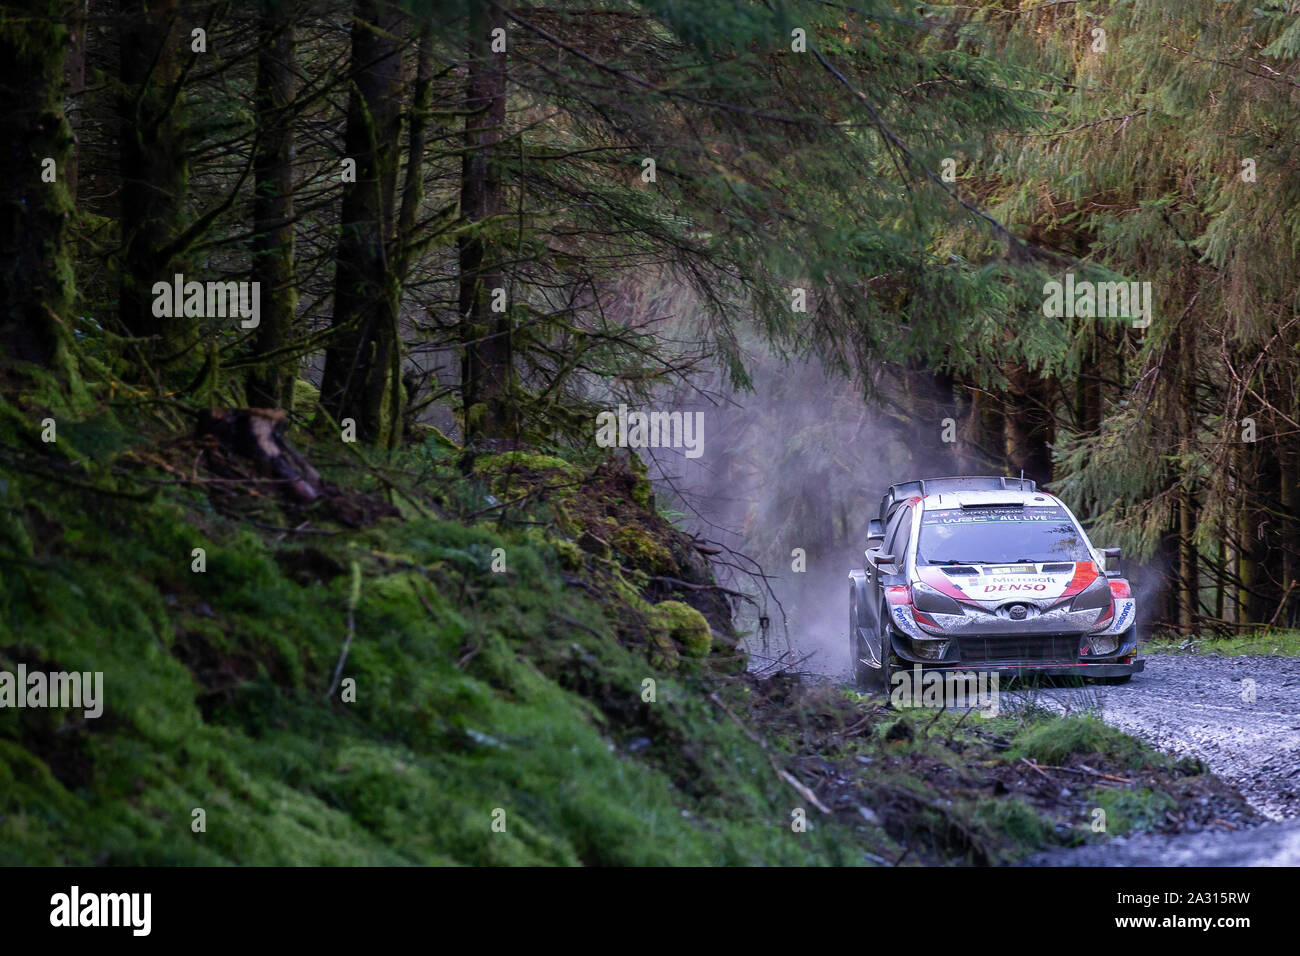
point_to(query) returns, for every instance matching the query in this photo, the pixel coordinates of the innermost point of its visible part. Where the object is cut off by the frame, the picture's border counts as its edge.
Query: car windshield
(999, 536)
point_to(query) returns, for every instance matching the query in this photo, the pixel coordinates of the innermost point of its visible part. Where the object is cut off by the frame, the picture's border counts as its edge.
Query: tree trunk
(1188, 570)
(36, 282)
(154, 173)
(1268, 584)
(1188, 559)
(271, 384)
(1167, 558)
(360, 361)
(487, 364)
(74, 72)
(1289, 532)
(1247, 535)
(1028, 427)
(980, 433)
(1088, 393)
(413, 188)
(402, 408)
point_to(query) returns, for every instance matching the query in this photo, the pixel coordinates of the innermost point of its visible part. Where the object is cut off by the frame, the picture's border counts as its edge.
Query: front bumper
(1019, 652)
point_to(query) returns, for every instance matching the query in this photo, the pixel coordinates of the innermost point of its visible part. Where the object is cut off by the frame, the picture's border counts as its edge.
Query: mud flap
(865, 643)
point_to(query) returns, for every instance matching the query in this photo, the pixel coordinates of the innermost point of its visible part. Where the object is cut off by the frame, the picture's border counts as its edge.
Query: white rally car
(988, 574)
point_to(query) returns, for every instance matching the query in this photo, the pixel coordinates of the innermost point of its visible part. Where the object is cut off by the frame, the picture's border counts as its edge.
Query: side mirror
(1113, 556)
(875, 532)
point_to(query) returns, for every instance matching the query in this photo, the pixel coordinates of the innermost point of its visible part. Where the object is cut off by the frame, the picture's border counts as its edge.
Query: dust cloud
(790, 475)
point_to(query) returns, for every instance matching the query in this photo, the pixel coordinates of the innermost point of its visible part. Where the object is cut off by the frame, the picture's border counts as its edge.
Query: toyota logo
(1017, 612)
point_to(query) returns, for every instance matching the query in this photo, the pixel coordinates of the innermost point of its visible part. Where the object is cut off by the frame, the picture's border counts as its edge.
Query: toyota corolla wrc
(987, 574)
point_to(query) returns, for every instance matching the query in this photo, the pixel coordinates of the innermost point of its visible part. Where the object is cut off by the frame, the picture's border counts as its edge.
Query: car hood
(992, 585)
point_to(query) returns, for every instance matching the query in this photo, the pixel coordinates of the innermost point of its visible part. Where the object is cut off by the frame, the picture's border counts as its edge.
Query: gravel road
(1200, 706)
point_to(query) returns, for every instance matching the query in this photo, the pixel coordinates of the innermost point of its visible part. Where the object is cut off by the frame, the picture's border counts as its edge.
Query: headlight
(1094, 597)
(926, 598)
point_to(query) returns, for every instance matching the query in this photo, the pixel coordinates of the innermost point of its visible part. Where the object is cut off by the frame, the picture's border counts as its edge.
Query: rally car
(987, 574)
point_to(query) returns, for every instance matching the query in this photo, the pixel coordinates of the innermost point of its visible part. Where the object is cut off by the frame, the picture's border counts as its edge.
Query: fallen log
(257, 435)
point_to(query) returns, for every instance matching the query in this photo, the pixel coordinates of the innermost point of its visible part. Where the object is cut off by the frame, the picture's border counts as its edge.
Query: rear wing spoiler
(930, 486)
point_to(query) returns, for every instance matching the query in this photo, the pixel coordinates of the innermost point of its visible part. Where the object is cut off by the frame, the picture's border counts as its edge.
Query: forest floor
(1240, 716)
(1033, 771)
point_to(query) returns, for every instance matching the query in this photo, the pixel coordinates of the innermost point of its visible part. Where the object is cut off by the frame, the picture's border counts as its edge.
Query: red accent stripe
(940, 582)
(897, 594)
(922, 618)
(1085, 572)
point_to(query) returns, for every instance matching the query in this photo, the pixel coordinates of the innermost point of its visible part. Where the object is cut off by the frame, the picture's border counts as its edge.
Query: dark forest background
(497, 220)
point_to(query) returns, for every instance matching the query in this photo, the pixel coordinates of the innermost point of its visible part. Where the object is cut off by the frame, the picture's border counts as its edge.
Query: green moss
(514, 474)
(1017, 821)
(642, 489)
(686, 626)
(643, 550)
(524, 462)
(571, 557)
(1054, 740)
(564, 520)
(431, 437)
(1133, 809)
(306, 397)
(475, 692)
(13, 531)
(664, 652)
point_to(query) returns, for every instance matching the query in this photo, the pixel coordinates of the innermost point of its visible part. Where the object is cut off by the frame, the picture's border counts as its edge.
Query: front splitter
(1057, 669)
